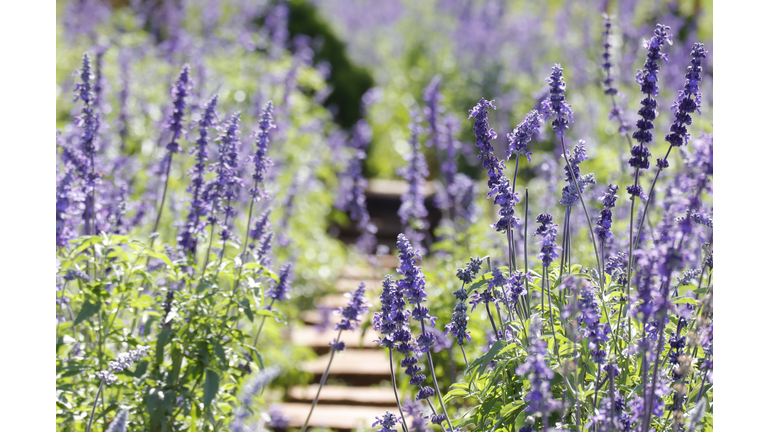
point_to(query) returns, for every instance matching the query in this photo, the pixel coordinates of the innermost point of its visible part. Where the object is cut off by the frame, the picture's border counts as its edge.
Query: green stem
(93, 409)
(394, 386)
(322, 383)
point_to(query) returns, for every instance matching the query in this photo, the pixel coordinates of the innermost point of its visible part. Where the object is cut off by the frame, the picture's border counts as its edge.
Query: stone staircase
(359, 386)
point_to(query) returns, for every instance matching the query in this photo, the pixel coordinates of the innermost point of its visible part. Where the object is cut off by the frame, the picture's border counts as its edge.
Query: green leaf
(487, 357)
(687, 300)
(162, 339)
(87, 311)
(520, 420)
(480, 282)
(510, 407)
(219, 351)
(211, 387)
(246, 304)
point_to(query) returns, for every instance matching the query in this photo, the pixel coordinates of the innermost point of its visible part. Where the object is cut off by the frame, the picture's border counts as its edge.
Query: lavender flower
(387, 422)
(459, 319)
(265, 248)
(262, 227)
(548, 233)
(555, 105)
(648, 80)
(689, 99)
(415, 409)
(432, 111)
(589, 319)
(570, 194)
(224, 188)
(260, 160)
(281, 290)
(277, 418)
(608, 81)
(522, 135)
(250, 390)
(88, 120)
(187, 237)
(181, 89)
(122, 362)
(538, 374)
(499, 185)
(392, 320)
(412, 212)
(356, 308)
(352, 189)
(120, 422)
(603, 229)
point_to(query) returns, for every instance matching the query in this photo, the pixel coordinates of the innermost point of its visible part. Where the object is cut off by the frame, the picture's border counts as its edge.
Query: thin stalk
(224, 242)
(432, 407)
(648, 201)
(208, 251)
(525, 256)
(566, 227)
(93, 410)
(551, 318)
(322, 383)
(434, 380)
(261, 326)
(394, 386)
(493, 324)
(162, 200)
(613, 401)
(465, 355)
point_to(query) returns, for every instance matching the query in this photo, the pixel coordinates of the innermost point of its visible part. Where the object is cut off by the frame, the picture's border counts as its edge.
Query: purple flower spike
(555, 105)
(356, 308)
(648, 80)
(412, 211)
(538, 374)
(187, 237)
(548, 233)
(570, 194)
(182, 89)
(522, 135)
(260, 160)
(689, 99)
(387, 422)
(281, 290)
(603, 229)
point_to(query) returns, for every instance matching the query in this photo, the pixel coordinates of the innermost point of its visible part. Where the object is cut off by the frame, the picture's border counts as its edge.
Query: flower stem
(394, 385)
(93, 410)
(261, 326)
(551, 318)
(434, 379)
(162, 200)
(322, 382)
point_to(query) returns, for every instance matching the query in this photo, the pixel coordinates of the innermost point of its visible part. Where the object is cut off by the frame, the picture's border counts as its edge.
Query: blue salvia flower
(538, 374)
(282, 289)
(570, 194)
(615, 262)
(181, 89)
(265, 249)
(412, 211)
(608, 81)
(120, 422)
(393, 320)
(589, 319)
(352, 189)
(459, 319)
(356, 308)
(488, 294)
(432, 111)
(278, 419)
(260, 160)
(689, 100)
(387, 422)
(251, 390)
(555, 105)
(603, 229)
(187, 237)
(88, 120)
(122, 362)
(648, 80)
(548, 233)
(223, 190)
(415, 409)
(522, 135)
(262, 226)
(499, 185)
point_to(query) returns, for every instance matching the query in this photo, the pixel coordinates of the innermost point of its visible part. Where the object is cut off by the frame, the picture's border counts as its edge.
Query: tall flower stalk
(89, 123)
(413, 214)
(350, 321)
(648, 80)
(610, 89)
(181, 90)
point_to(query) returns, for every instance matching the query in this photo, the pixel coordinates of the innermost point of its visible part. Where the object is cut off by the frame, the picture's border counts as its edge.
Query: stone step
(353, 272)
(355, 366)
(345, 285)
(374, 396)
(309, 336)
(339, 417)
(394, 188)
(338, 300)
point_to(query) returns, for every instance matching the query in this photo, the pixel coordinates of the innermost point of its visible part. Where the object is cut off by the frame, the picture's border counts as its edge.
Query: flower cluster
(223, 189)
(260, 160)
(608, 81)
(555, 105)
(522, 135)
(570, 193)
(356, 308)
(412, 212)
(122, 362)
(603, 228)
(181, 90)
(282, 289)
(538, 374)
(548, 233)
(689, 100)
(387, 422)
(251, 390)
(648, 80)
(187, 237)
(499, 185)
